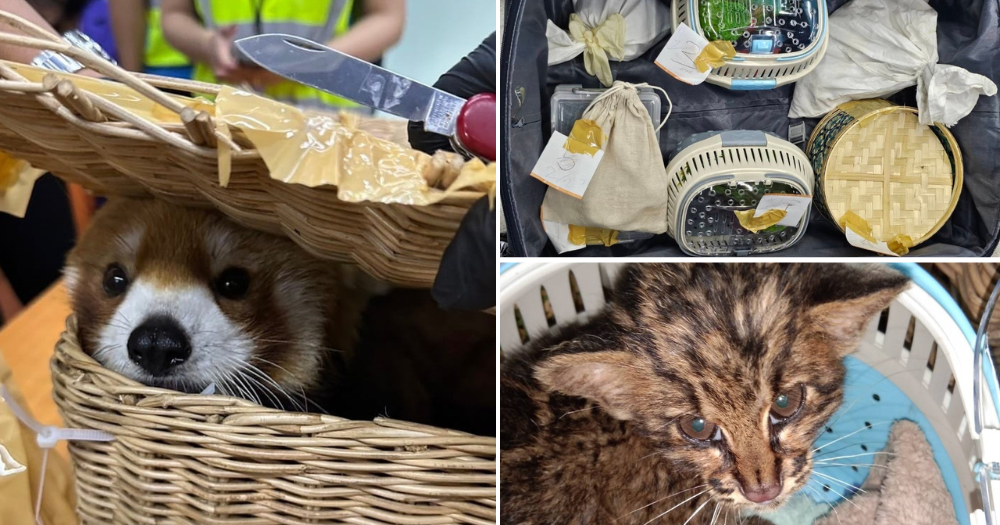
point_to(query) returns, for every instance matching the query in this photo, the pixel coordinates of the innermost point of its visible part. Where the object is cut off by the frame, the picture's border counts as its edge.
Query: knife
(471, 124)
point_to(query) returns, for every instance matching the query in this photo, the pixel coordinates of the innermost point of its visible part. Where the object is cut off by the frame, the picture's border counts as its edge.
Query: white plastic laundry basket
(777, 41)
(924, 309)
(718, 172)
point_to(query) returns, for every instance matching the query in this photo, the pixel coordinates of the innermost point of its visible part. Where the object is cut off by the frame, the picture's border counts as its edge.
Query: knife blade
(472, 122)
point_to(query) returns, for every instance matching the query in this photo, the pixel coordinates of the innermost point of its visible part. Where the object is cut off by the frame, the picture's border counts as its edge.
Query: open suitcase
(968, 36)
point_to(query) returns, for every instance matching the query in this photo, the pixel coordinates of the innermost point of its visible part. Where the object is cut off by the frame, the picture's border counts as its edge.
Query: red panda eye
(115, 280)
(232, 283)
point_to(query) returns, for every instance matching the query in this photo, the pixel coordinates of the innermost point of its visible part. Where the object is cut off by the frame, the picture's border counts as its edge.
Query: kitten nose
(761, 493)
(158, 344)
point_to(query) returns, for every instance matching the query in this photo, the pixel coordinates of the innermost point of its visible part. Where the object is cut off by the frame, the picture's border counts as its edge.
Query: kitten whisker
(715, 513)
(661, 499)
(696, 511)
(845, 447)
(842, 482)
(675, 506)
(820, 496)
(841, 496)
(575, 411)
(869, 465)
(868, 426)
(827, 460)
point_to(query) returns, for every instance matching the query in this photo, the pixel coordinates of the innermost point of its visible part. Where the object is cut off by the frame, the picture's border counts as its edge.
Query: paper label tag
(567, 172)
(860, 242)
(678, 56)
(794, 205)
(559, 235)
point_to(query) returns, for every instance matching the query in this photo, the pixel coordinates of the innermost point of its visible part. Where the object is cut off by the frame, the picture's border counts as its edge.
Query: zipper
(515, 241)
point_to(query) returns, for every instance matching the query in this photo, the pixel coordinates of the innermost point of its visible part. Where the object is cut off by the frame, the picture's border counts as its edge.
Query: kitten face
(731, 371)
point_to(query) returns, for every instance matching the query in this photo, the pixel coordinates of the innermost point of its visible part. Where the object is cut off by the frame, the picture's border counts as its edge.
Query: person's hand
(224, 65)
(262, 78)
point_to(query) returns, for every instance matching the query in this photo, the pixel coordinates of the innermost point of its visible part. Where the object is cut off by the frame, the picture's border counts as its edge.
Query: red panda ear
(608, 378)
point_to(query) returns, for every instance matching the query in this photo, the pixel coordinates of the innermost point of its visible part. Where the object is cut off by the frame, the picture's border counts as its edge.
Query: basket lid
(901, 176)
(761, 27)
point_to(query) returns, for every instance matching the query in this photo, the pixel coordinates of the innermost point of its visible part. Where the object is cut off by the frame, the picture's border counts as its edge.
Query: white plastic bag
(633, 28)
(878, 48)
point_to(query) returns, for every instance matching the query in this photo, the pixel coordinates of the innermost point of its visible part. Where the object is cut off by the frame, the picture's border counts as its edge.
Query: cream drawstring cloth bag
(601, 30)
(629, 189)
(878, 48)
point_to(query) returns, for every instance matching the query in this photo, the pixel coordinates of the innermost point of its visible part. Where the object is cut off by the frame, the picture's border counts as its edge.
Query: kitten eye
(698, 428)
(232, 283)
(115, 280)
(787, 404)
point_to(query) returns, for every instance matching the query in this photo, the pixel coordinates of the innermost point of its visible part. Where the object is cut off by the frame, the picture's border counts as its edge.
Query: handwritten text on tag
(565, 171)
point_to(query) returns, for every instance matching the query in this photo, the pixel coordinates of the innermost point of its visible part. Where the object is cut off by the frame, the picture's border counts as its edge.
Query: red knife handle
(476, 128)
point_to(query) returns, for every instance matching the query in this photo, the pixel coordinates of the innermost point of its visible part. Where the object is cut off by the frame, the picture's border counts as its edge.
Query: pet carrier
(902, 368)
(776, 41)
(716, 175)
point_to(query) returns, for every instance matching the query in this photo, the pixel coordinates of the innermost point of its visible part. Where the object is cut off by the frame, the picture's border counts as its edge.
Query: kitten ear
(609, 378)
(848, 298)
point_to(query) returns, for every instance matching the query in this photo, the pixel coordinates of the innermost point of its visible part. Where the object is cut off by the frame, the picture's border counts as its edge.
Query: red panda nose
(158, 344)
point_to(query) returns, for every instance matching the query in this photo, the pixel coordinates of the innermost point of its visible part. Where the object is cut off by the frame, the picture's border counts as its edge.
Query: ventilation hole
(932, 358)
(550, 316)
(865, 448)
(908, 342)
(818, 450)
(876, 398)
(951, 384)
(826, 489)
(574, 289)
(521, 330)
(883, 320)
(829, 430)
(868, 425)
(855, 469)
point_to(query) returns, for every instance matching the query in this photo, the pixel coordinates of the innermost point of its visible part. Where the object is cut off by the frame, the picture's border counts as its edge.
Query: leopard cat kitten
(698, 391)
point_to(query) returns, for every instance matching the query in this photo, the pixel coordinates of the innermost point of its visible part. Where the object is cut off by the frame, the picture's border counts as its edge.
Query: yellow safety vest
(318, 21)
(158, 51)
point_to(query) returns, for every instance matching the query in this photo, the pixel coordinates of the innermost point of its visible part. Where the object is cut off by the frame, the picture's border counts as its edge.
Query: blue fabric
(95, 22)
(861, 408)
(175, 72)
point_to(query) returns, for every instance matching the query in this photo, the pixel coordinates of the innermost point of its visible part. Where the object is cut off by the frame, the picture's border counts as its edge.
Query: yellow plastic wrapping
(585, 137)
(121, 95)
(580, 235)
(714, 54)
(756, 224)
(18, 491)
(317, 150)
(900, 243)
(17, 180)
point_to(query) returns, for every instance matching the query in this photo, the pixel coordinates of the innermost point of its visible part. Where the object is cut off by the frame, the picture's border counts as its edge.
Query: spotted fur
(589, 417)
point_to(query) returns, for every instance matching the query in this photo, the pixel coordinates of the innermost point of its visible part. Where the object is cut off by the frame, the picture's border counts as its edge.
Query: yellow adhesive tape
(714, 55)
(586, 137)
(17, 180)
(580, 235)
(858, 225)
(900, 244)
(755, 224)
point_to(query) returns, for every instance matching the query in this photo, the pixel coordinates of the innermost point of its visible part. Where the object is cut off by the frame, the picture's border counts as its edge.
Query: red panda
(184, 298)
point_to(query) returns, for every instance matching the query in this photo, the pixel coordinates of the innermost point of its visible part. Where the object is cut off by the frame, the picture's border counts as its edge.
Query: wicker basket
(875, 159)
(183, 458)
(85, 139)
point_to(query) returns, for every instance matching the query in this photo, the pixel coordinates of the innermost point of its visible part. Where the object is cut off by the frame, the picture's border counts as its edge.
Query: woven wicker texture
(199, 459)
(877, 160)
(85, 139)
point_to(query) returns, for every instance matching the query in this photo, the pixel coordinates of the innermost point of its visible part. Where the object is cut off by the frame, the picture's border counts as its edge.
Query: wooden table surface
(27, 343)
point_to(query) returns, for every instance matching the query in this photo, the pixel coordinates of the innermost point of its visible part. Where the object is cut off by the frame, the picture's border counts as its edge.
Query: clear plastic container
(761, 27)
(570, 101)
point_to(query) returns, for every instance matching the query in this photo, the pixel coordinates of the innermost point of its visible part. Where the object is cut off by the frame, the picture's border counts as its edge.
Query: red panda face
(184, 298)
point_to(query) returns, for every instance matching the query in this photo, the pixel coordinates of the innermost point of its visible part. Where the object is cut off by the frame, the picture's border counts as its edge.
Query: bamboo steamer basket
(83, 138)
(208, 459)
(875, 158)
